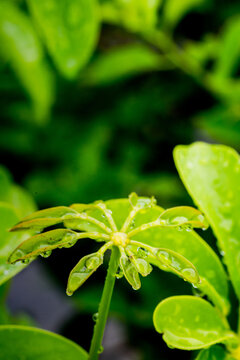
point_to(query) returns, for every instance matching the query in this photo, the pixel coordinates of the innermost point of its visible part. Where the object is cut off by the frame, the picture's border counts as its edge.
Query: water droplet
(164, 255)
(133, 199)
(69, 244)
(119, 273)
(25, 261)
(143, 267)
(190, 274)
(101, 349)
(132, 224)
(46, 254)
(93, 262)
(222, 253)
(95, 317)
(69, 293)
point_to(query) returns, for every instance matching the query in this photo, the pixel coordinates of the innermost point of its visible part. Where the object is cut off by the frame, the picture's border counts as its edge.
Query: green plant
(119, 224)
(141, 234)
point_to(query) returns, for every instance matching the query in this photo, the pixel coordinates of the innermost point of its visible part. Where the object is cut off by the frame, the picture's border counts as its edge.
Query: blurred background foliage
(94, 95)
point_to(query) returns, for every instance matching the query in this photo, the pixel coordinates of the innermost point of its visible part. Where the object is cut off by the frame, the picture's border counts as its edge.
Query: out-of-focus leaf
(135, 15)
(30, 343)
(229, 54)
(123, 62)
(211, 174)
(70, 29)
(214, 353)
(191, 323)
(21, 200)
(190, 245)
(221, 123)
(22, 49)
(174, 10)
(5, 184)
(8, 242)
(204, 50)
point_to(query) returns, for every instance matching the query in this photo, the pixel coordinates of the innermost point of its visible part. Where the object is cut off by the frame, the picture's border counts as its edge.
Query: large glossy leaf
(211, 174)
(70, 29)
(20, 342)
(20, 46)
(214, 353)
(189, 323)
(190, 245)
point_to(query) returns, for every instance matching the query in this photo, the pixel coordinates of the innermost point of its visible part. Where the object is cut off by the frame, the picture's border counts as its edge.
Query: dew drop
(25, 261)
(190, 274)
(119, 273)
(69, 293)
(93, 262)
(164, 255)
(143, 267)
(100, 350)
(95, 317)
(46, 254)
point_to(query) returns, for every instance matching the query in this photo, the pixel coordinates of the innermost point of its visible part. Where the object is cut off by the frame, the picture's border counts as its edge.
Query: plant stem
(104, 305)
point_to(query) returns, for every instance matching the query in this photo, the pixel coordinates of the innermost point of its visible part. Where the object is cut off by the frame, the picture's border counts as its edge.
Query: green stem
(104, 305)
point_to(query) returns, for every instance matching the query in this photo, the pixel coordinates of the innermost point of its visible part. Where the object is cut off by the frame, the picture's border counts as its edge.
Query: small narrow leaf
(70, 29)
(191, 323)
(23, 342)
(81, 272)
(184, 215)
(43, 243)
(44, 218)
(130, 272)
(178, 264)
(54, 212)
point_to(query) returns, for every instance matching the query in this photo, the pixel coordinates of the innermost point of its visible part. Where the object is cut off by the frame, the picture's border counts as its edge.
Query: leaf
(5, 184)
(21, 200)
(21, 48)
(8, 242)
(229, 50)
(214, 353)
(130, 272)
(182, 215)
(83, 270)
(44, 218)
(43, 244)
(121, 63)
(190, 245)
(30, 343)
(191, 323)
(211, 174)
(70, 29)
(135, 15)
(174, 10)
(177, 264)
